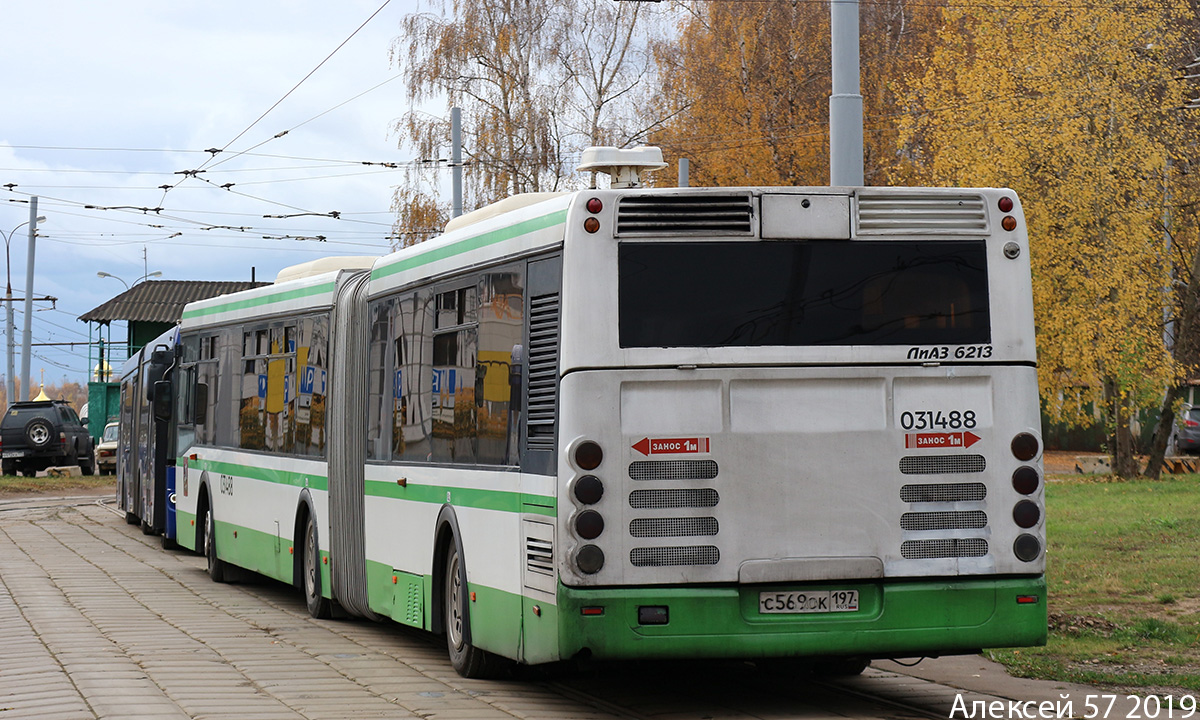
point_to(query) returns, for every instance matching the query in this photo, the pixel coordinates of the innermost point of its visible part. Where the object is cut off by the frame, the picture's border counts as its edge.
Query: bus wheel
(216, 566)
(318, 606)
(468, 660)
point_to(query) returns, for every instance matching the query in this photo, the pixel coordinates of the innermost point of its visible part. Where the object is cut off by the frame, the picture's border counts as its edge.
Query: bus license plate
(821, 601)
(14, 453)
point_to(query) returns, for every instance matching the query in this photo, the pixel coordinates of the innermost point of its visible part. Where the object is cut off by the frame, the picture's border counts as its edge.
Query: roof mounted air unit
(624, 166)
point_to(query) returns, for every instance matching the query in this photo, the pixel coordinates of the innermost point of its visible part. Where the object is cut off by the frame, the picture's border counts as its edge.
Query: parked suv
(39, 434)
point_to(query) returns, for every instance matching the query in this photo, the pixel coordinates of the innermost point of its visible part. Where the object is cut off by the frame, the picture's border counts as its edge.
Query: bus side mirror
(162, 400)
(516, 374)
(200, 404)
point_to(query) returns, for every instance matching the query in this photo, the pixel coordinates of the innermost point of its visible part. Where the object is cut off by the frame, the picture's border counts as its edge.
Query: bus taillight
(1025, 480)
(1005, 204)
(588, 455)
(1024, 447)
(589, 490)
(1027, 548)
(590, 559)
(594, 205)
(589, 524)
(1026, 514)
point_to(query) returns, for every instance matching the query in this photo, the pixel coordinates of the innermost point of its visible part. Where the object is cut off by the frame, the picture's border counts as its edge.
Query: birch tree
(537, 81)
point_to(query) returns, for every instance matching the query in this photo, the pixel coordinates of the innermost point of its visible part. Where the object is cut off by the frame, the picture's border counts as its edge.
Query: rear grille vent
(944, 548)
(703, 214)
(670, 556)
(673, 527)
(954, 520)
(539, 556)
(543, 369)
(922, 214)
(945, 492)
(942, 464)
(664, 499)
(673, 470)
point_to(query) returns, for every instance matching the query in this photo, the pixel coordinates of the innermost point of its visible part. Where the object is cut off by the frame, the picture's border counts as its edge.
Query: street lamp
(114, 277)
(8, 298)
(147, 276)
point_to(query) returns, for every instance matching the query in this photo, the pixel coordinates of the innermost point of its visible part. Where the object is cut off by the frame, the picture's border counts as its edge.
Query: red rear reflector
(592, 611)
(1027, 599)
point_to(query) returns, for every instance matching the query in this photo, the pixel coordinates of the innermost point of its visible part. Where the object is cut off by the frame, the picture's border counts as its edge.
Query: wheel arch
(446, 532)
(204, 504)
(304, 510)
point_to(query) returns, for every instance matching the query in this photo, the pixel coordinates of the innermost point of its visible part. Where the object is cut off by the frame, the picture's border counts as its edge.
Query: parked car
(38, 434)
(1187, 439)
(106, 451)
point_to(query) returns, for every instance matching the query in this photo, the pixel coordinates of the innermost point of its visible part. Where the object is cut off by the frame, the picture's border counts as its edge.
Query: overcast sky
(105, 102)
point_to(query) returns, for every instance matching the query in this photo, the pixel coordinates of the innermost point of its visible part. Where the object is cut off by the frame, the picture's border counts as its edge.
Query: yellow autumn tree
(747, 88)
(1076, 107)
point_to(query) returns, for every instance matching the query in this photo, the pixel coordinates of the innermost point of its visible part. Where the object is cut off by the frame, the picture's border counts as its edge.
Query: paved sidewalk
(97, 621)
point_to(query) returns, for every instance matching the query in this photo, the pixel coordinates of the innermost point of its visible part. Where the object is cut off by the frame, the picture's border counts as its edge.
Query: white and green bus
(641, 423)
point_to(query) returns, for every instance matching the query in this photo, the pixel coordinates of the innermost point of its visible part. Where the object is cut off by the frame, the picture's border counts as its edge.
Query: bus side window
(501, 326)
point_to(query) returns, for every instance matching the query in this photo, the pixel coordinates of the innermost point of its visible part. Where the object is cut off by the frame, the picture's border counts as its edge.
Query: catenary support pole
(845, 103)
(26, 337)
(13, 391)
(456, 159)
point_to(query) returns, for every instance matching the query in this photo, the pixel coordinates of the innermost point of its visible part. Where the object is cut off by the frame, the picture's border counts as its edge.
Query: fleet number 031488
(820, 601)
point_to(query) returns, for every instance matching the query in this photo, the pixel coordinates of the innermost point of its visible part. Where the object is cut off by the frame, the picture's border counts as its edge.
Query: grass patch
(1124, 585)
(11, 485)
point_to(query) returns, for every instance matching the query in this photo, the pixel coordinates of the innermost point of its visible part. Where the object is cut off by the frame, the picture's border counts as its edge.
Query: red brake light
(594, 205)
(1191, 423)
(1005, 204)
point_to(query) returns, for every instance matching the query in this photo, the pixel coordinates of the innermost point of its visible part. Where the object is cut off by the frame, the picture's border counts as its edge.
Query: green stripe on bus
(280, 477)
(262, 552)
(475, 242)
(279, 297)
(501, 500)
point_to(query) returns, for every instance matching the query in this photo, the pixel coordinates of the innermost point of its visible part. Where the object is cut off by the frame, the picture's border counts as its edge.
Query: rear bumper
(895, 619)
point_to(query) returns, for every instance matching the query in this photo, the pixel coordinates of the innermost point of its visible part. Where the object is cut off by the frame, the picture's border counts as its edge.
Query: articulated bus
(637, 422)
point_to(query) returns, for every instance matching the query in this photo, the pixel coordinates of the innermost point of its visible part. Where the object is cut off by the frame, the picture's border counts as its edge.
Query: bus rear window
(737, 294)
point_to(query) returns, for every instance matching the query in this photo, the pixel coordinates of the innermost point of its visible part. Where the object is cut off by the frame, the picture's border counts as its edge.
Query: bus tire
(310, 569)
(216, 566)
(468, 660)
